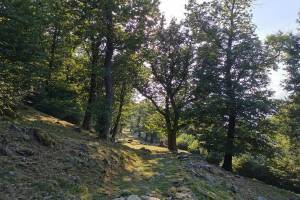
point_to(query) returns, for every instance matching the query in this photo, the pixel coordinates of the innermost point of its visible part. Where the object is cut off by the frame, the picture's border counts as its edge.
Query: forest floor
(45, 158)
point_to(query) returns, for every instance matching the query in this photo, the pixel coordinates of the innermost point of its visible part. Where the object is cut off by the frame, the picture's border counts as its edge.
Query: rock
(149, 198)
(11, 173)
(133, 197)
(183, 189)
(172, 190)
(120, 198)
(261, 198)
(25, 152)
(233, 189)
(182, 195)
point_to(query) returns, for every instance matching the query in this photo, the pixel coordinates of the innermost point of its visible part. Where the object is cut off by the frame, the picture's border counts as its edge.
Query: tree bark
(119, 115)
(105, 134)
(139, 127)
(87, 120)
(152, 138)
(227, 164)
(146, 137)
(52, 55)
(172, 146)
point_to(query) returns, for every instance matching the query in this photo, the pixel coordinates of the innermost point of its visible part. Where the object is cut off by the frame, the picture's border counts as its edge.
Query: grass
(79, 166)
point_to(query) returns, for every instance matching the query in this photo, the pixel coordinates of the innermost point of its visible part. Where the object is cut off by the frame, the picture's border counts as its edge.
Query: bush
(9, 98)
(194, 147)
(256, 167)
(188, 143)
(59, 101)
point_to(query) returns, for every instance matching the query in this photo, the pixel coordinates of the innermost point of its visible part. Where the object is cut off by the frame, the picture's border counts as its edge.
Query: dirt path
(155, 174)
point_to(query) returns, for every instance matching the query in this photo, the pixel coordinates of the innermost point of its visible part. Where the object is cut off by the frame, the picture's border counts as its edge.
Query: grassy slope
(66, 164)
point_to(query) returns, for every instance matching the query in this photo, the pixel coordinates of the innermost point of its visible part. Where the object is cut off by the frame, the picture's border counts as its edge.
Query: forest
(118, 68)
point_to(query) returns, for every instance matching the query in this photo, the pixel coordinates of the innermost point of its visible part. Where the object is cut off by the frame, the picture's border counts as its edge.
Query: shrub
(257, 167)
(9, 98)
(59, 101)
(194, 147)
(188, 143)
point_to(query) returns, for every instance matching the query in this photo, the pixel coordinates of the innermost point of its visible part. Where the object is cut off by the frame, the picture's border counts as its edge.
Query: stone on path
(149, 198)
(261, 198)
(134, 197)
(121, 198)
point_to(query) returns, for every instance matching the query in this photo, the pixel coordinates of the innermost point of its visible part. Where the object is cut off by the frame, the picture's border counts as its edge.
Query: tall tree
(292, 63)
(168, 60)
(232, 69)
(120, 33)
(21, 53)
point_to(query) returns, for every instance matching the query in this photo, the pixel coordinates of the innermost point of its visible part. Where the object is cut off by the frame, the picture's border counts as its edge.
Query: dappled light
(114, 100)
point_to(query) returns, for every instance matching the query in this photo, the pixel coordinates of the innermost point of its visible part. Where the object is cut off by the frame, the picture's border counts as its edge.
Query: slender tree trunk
(146, 137)
(175, 120)
(139, 126)
(227, 164)
(52, 55)
(108, 73)
(87, 120)
(121, 101)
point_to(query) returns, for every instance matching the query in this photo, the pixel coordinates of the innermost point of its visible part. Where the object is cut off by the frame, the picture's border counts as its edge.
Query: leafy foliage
(205, 78)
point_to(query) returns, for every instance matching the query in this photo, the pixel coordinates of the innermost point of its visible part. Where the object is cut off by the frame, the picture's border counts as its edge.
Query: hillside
(46, 158)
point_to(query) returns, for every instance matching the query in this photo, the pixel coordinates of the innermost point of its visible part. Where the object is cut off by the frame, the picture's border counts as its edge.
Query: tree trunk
(230, 103)
(87, 121)
(52, 56)
(146, 137)
(227, 164)
(139, 127)
(121, 101)
(172, 146)
(175, 120)
(105, 134)
(152, 138)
